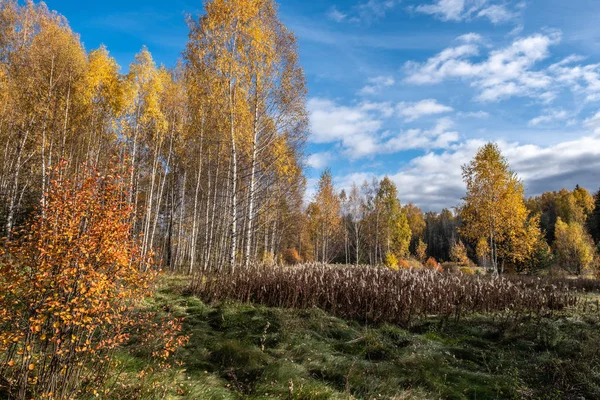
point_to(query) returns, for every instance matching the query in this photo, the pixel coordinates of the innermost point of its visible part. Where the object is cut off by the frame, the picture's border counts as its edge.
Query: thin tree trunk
(250, 215)
(223, 227)
(44, 139)
(357, 242)
(64, 135)
(15, 188)
(148, 214)
(194, 221)
(233, 252)
(213, 216)
(376, 236)
(161, 192)
(133, 196)
(195, 227)
(346, 241)
(178, 255)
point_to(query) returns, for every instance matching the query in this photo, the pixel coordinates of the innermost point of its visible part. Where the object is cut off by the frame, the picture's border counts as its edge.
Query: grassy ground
(253, 352)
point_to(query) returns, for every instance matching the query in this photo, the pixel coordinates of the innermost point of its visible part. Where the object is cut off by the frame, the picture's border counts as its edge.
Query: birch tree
(493, 213)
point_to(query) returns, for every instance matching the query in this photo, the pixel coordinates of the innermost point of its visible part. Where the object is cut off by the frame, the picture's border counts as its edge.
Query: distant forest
(494, 227)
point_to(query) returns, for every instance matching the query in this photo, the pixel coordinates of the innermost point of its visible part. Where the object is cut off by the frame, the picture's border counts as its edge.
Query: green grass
(241, 351)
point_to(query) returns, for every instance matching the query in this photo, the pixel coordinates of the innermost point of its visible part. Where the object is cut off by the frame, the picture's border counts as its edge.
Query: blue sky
(411, 89)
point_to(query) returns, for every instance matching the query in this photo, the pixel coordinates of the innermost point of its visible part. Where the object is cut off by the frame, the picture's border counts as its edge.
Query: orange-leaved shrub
(290, 257)
(431, 263)
(70, 281)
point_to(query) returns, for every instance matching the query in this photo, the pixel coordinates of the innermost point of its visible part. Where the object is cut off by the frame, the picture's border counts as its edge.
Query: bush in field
(451, 267)
(432, 264)
(291, 257)
(391, 261)
(467, 270)
(70, 282)
(458, 254)
(540, 260)
(421, 251)
(574, 247)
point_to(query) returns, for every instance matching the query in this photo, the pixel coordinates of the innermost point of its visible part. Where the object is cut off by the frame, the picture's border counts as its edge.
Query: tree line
(212, 148)
(495, 226)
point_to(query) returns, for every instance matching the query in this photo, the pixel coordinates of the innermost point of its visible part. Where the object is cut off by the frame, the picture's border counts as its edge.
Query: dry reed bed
(575, 284)
(377, 294)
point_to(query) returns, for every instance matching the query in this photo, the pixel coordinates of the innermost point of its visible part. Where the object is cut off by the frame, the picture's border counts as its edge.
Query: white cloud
(311, 189)
(373, 9)
(319, 160)
(345, 181)
(336, 15)
(354, 128)
(439, 137)
(413, 111)
(593, 123)
(377, 83)
(497, 14)
(503, 74)
(366, 11)
(384, 109)
(449, 63)
(581, 79)
(549, 117)
(446, 10)
(473, 114)
(359, 130)
(551, 168)
(465, 10)
(516, 31)
(470, 38)
(434, 181)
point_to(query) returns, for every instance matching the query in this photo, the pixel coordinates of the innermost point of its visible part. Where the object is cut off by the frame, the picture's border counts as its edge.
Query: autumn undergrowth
(71, 295)
(246, 351)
